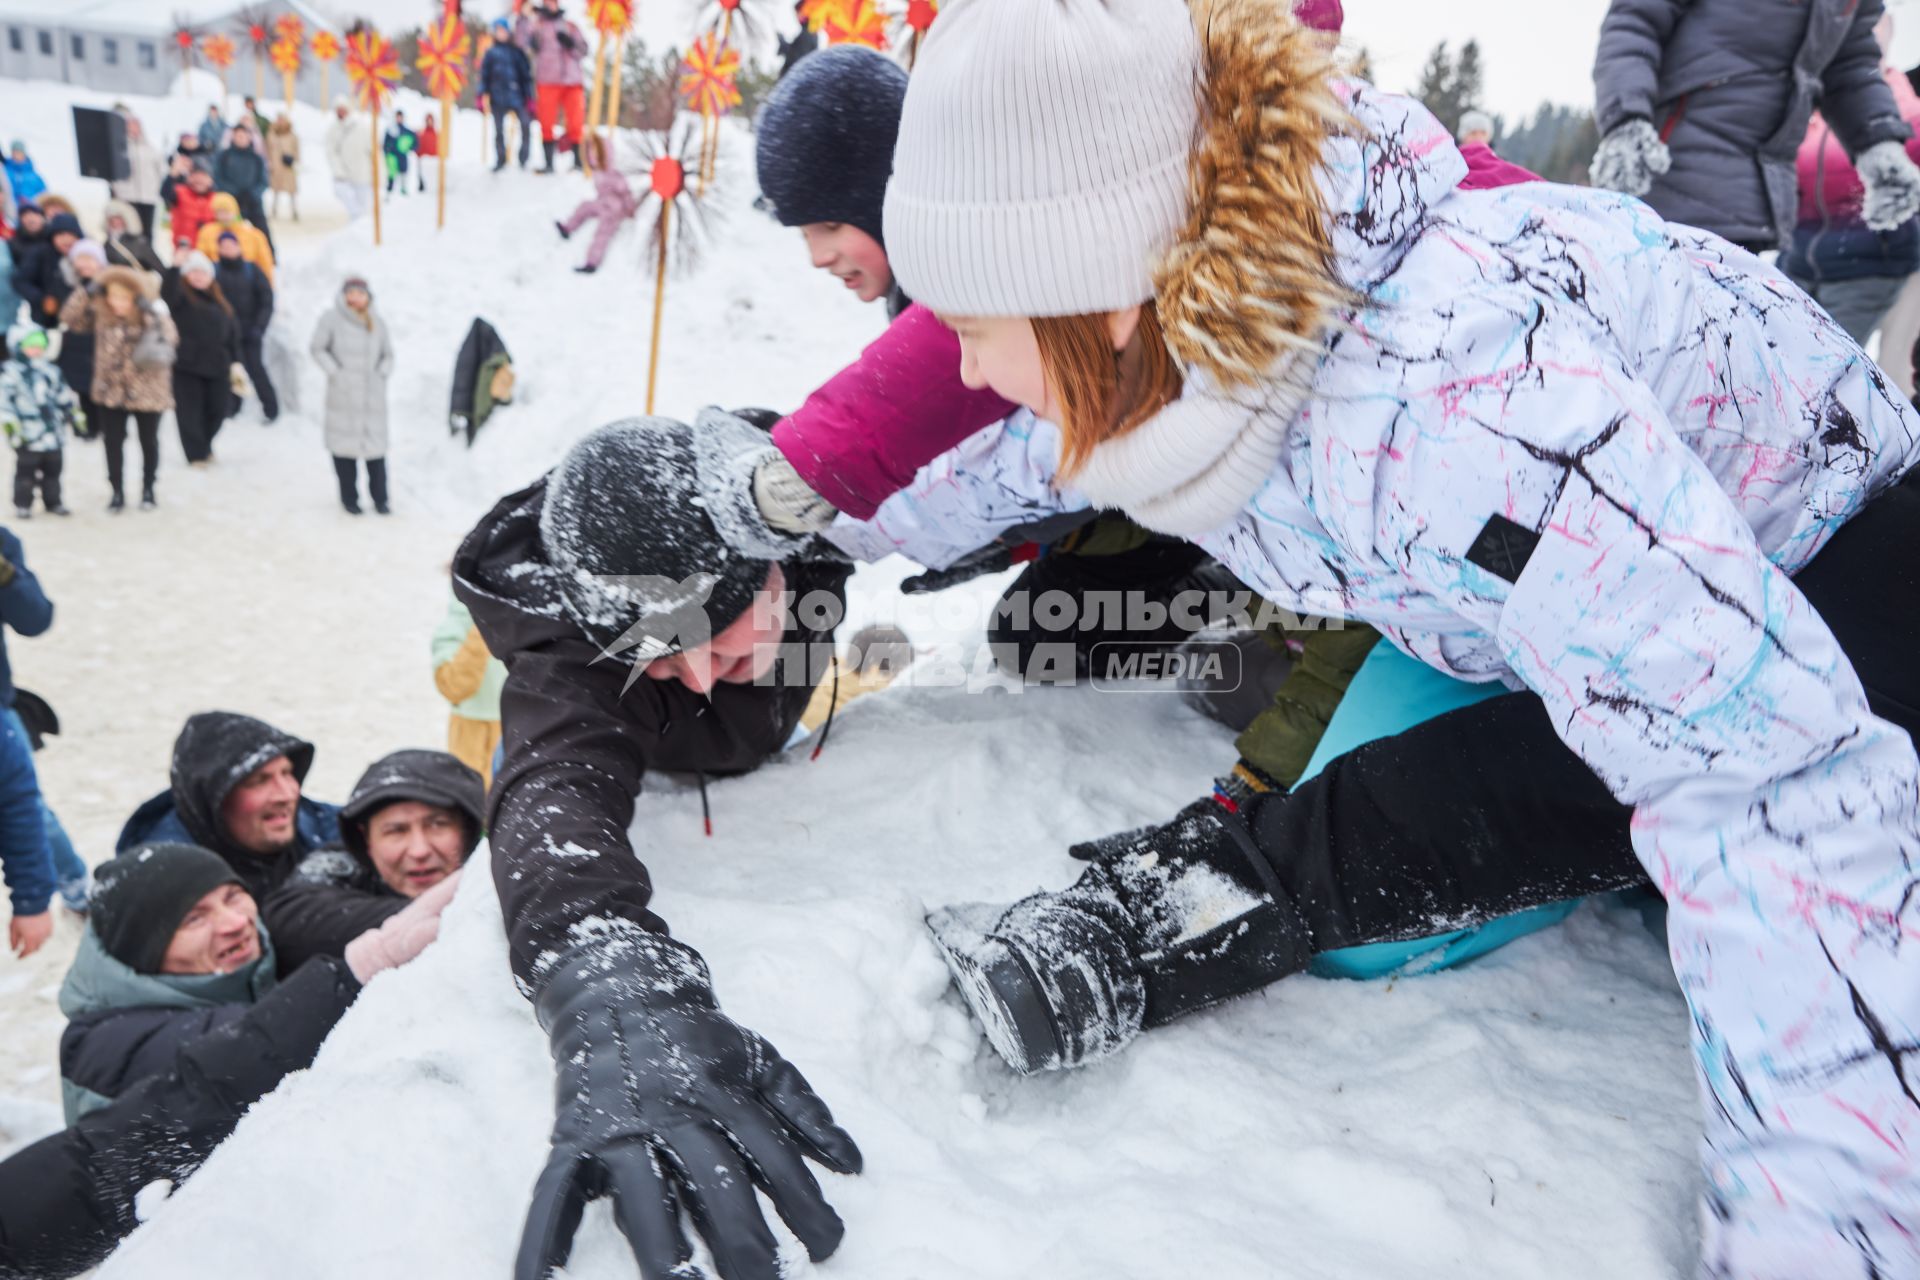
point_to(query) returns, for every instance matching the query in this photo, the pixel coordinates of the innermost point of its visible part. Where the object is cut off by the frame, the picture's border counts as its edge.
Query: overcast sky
(1533, 50)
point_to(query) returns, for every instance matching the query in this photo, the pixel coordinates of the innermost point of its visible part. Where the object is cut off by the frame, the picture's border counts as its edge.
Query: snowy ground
(1532, 1115)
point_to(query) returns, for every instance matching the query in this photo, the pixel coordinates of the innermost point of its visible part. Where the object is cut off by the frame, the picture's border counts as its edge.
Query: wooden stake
(286, 82)
(613, 98)
(259, 74)
(659, 301)
(594, 101)
(446, 145)
(374, 117)
(326, 86)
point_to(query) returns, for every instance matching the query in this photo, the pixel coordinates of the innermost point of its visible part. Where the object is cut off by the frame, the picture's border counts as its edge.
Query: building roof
(148, 17)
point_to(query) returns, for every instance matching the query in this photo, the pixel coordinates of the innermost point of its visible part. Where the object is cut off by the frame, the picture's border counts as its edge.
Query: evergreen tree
(1435, 89)
(1466, 85)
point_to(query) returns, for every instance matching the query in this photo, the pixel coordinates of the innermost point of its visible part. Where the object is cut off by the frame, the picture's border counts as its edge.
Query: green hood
(97, 982)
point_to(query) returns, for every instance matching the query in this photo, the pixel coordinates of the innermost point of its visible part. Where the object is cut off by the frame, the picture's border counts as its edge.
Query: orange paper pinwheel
(444, 47)
(610, 17)
(289, 27)
(708, 75)
(373, 67)
(285, 55)
(218, 51)
(326, 46)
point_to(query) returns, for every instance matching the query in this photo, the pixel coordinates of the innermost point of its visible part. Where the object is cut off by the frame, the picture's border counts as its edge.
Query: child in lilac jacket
(613, 203)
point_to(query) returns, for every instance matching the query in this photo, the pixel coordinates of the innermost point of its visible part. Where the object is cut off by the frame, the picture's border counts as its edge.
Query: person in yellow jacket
(253, 243)
(470, 678)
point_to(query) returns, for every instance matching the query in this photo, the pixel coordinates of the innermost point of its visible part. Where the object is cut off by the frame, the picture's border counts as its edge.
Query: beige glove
(401, 936)
(787, 503)
(237, 379)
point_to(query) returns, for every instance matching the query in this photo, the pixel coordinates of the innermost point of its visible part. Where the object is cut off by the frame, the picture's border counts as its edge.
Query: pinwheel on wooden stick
(676, 218)
(709, 85)
(253, 21)
(185, 39)
(918, 17)
(326, 48)
(286, 60)
(612, 19)
(373, 68)
(219, 53)
(443, 61)
(846, 22)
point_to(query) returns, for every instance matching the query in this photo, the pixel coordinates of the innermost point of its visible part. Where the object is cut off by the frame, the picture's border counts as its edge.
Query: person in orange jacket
(226, 217)
(469, 677)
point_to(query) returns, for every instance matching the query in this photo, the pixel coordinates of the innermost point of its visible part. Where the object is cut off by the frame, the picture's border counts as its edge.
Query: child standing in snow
(1502, 428)
(612, 203)
(38, 408)
(398, 146)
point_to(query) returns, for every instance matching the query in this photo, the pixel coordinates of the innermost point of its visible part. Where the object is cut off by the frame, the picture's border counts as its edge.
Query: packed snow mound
(1530, 1115)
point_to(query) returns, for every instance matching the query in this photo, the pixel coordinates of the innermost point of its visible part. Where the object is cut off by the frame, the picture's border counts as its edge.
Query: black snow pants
(37, 468)
(113, 435)
(199, 407)
(1483, 811)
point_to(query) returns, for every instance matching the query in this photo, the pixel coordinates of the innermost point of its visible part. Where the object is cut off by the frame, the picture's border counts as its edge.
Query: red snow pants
(550, 100)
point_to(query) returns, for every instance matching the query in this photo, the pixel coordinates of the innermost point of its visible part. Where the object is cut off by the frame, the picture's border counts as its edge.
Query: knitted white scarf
(1196, 464)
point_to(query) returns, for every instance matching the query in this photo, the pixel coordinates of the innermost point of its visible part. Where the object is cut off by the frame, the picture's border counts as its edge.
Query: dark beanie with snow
(630, 525)
(826, 137)
(141, 897)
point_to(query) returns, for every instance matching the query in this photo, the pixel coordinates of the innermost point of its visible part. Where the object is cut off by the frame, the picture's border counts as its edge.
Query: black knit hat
(64, 223)
(643, 568)
(428, 777)
(141, 897)
(826, 135)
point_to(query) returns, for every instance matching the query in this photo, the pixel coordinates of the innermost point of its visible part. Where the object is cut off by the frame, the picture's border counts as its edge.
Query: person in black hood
(236, 791)
(413, 819)
(178, 1026)
(635, 596)
(250, 294)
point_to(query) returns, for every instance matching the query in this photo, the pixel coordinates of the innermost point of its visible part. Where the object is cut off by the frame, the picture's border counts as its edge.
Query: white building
(127, 46)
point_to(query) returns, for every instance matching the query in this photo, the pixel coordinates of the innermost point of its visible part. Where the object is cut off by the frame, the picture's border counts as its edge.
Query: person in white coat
(352, 344)
(349, 159)
(147, 169)
(1534, 435)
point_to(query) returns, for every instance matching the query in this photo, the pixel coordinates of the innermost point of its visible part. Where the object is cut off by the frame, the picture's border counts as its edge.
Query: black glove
(567, 41)
(765, 419)
(991, 558)
(665, 1103)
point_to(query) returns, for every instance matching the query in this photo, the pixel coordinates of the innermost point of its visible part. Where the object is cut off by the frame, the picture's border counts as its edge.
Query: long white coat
(358, 360)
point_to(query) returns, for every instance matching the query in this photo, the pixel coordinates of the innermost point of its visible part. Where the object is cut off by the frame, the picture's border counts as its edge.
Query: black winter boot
(118, 502)
(147, 502)
(546, 150)
(1168, 920)
(561, 227)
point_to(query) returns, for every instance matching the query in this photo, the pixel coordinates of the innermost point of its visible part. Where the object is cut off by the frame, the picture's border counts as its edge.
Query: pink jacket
(1829, 187)
(612, 199)
(553, 63)
(860, 438)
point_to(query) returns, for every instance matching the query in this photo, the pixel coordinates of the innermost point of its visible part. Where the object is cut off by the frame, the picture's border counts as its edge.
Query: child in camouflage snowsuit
(36, 409)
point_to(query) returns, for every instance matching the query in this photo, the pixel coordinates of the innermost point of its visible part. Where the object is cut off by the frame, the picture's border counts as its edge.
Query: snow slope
(1532, 1115)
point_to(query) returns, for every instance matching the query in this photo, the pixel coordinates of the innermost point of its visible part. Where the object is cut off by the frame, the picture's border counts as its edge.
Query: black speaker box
(101, 137)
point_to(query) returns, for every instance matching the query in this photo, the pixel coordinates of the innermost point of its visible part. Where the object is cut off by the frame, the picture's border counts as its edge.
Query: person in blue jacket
(237, 791)
(506, 83)
(22, 177)
(26, 860)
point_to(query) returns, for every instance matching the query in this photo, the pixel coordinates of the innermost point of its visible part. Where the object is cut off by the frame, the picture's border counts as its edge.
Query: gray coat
(357, 360)
(1730, 86)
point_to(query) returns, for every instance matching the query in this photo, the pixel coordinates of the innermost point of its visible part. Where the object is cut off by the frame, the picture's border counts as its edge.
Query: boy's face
(36, 350)
(854, 257)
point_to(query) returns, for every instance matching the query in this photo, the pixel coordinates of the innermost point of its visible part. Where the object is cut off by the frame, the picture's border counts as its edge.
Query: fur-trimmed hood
(1301, 186)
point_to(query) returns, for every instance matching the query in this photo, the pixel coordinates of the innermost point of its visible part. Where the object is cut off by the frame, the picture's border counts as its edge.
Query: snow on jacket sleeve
(1626, 67)
(862, 436)
(1776, 814)
(67, 1200)
(1854, 98)
(999, 479)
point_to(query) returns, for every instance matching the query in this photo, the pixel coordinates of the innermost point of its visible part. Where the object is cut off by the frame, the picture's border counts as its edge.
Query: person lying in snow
(633, 594)
(236, 790)
(613, 204)
(176, 1027)
(1534, 435)
(412, 821)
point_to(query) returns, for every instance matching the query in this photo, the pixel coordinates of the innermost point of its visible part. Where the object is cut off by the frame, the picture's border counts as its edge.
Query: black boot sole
(1007, 1001)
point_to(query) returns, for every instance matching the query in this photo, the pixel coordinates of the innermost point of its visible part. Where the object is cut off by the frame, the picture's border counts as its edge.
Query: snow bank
(1533, 1115)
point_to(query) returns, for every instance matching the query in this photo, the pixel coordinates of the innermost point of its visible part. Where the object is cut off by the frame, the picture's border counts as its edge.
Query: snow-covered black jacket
(576, 746)
(67, 1200)
(506, 77)
(214, 752)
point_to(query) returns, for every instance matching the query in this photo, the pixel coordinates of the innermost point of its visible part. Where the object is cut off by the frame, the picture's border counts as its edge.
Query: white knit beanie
(1041, 168)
